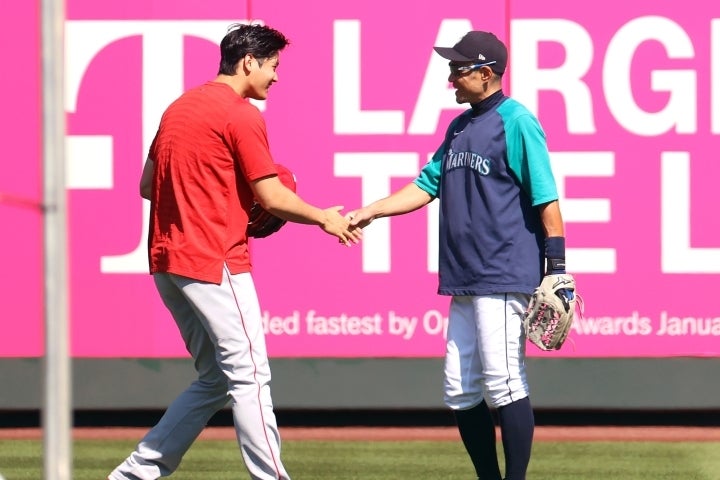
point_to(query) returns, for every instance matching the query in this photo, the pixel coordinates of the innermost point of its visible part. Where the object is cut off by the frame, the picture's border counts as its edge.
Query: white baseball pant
(485, 356)
(222, 329)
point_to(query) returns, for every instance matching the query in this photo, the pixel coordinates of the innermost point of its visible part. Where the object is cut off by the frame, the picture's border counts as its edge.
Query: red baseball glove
(263, 223)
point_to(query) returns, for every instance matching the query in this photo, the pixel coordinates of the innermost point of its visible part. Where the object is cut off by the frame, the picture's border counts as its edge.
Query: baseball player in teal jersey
(501, 230)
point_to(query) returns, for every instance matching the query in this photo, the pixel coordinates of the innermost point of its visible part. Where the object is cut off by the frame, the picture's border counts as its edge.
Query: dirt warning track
(542, 433)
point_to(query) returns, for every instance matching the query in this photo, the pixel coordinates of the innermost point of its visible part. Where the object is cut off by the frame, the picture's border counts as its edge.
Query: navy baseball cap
(480, 47)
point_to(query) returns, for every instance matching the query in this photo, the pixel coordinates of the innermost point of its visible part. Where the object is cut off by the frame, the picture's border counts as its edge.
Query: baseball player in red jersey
(209, 160)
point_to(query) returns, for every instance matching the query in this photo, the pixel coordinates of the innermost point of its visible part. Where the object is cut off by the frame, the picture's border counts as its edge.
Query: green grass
(383, 460)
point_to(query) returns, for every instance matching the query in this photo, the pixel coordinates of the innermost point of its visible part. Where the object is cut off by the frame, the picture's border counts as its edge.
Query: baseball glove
(262, 223)
(550, 312)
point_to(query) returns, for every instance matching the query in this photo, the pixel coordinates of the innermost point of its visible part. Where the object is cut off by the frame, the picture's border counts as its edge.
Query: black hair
(258, 40)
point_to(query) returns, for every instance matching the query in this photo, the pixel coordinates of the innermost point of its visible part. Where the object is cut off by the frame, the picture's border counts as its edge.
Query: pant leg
(501, 341)
(464, 382)
(231, 356)
(159, 453)
(464, 389)
(485, 359)
(231, 314)
(501, 346)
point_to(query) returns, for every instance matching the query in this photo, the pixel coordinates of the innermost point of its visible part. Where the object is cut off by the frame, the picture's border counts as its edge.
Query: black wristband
(555, 255)
(555, 266)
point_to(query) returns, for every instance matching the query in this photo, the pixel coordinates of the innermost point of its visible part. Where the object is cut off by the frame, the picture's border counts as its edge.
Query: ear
(486, 73)
(248, 62)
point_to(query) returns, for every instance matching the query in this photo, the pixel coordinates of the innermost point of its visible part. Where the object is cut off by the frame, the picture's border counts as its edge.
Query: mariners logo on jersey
(471, 160)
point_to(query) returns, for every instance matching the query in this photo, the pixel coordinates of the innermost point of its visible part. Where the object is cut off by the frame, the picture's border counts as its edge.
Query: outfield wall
(675, 385)
(627, 92)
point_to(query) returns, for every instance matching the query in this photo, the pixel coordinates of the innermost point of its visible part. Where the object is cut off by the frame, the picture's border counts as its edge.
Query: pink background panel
(20, 184)
(306, 280)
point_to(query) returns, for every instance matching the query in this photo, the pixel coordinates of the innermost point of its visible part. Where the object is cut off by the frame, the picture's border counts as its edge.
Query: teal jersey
(490, 174)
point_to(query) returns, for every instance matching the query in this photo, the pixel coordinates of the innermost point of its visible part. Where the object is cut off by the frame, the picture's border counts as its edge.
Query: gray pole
(56, 418)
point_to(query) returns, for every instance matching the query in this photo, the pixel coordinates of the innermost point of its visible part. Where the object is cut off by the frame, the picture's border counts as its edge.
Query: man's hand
(339, 226)
(360, 218)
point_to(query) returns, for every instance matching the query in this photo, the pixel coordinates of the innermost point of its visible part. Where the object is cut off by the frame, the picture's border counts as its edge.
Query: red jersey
(210, 143)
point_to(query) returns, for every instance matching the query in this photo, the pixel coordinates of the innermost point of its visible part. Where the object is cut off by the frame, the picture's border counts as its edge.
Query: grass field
(390, 460)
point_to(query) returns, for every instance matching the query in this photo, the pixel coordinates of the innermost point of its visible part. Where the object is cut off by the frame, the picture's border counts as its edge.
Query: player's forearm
(289, 206)
(282, 202)
(551, 219)
(407, 199)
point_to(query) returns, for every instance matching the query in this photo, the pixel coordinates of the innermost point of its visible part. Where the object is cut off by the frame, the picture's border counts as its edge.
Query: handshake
(348, 228)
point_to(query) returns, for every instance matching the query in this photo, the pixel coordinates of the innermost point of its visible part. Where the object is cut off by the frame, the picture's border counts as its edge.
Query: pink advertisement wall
(628, 94)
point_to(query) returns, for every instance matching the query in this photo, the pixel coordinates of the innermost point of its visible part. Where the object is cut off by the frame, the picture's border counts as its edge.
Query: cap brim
(452, 54)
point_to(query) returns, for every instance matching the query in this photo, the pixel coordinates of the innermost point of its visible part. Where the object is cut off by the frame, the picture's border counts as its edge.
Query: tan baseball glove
(550, 312)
